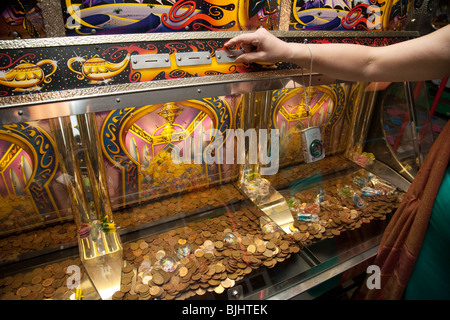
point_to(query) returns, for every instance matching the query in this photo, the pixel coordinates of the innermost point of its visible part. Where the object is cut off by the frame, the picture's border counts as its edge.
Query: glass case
(152, 166)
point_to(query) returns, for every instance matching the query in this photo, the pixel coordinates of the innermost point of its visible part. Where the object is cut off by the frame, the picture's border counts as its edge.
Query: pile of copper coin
(183, 203)
(303, 170)
(206, 255)
(215, 264)
(338, 214)
(45, 282)
(222, 250)
(13, 246)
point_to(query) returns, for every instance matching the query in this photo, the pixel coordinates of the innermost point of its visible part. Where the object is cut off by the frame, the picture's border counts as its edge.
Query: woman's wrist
(298, 53)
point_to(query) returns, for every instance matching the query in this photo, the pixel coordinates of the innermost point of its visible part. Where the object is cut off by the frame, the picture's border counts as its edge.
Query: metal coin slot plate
(151, 61)
(192, 58)
(227, 56)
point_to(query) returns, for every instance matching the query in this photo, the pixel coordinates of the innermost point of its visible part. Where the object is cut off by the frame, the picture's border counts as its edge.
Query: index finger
(243, 39)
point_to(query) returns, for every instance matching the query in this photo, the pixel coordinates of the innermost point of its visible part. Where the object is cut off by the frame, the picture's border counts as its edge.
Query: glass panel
(31, 194)
(198, 215)
(84, 176)
(401, 134)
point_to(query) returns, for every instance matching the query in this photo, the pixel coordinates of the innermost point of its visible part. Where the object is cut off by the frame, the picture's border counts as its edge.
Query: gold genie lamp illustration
(27, 76)
(96, 69)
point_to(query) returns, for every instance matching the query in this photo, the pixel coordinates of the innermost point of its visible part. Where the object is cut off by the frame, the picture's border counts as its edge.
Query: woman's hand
(260, 46)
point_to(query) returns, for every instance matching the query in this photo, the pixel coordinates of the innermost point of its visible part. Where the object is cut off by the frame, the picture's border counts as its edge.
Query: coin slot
(228, 56)
(192, 58)
(151, 61)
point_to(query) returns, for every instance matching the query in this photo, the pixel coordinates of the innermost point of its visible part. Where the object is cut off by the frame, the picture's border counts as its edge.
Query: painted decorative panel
(290, 113)
(59, 68)
(21, 19)
(30, 192)
(344, 15)
(139, 145)
(88, 17)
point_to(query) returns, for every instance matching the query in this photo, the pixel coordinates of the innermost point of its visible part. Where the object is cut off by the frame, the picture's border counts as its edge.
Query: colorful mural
(55, 69)
(291, 113)
(30, 195)
(113, 63)
(68, 67)
(21, 19)
(138, 143)
(99, 17)
(347, 15)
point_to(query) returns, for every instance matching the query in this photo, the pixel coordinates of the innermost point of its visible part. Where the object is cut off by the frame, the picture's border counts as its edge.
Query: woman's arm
(423, 58)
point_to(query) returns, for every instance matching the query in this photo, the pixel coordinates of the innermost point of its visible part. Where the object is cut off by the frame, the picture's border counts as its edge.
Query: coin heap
(187, 203)
(216, 260)
(217, 252)
(46, 282)
(284, 176)
(338, 214)
(13, 246)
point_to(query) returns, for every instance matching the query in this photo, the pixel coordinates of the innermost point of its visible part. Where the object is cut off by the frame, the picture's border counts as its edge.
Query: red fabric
(403, 237)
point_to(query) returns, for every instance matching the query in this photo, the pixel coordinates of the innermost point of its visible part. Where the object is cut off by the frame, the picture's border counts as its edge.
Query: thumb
(250, 57)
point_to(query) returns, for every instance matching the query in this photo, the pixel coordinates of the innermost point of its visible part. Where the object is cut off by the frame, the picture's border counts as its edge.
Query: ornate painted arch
(335, 91)
(119, 122)
(41, 148)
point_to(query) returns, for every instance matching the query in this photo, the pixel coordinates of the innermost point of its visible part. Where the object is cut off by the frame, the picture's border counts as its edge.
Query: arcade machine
(139, 161)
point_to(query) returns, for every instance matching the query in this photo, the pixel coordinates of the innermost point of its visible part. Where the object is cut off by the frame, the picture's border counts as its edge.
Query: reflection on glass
(84, 176)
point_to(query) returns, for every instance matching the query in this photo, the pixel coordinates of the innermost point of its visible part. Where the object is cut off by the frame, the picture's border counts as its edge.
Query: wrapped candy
(85, 230)
(345, 192)
(264, 187)
(257, 189)
(144, 267)
(168, 264)
(251, 190)
(361, 182)
(307, 217)
(183, 250)
(382, 187)
(312, 208)
(269, 227)
(358, 201)
(365, 159)
(371, 192)
(229, 238)
(294, 204)
(320, 195)
(309, 212)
